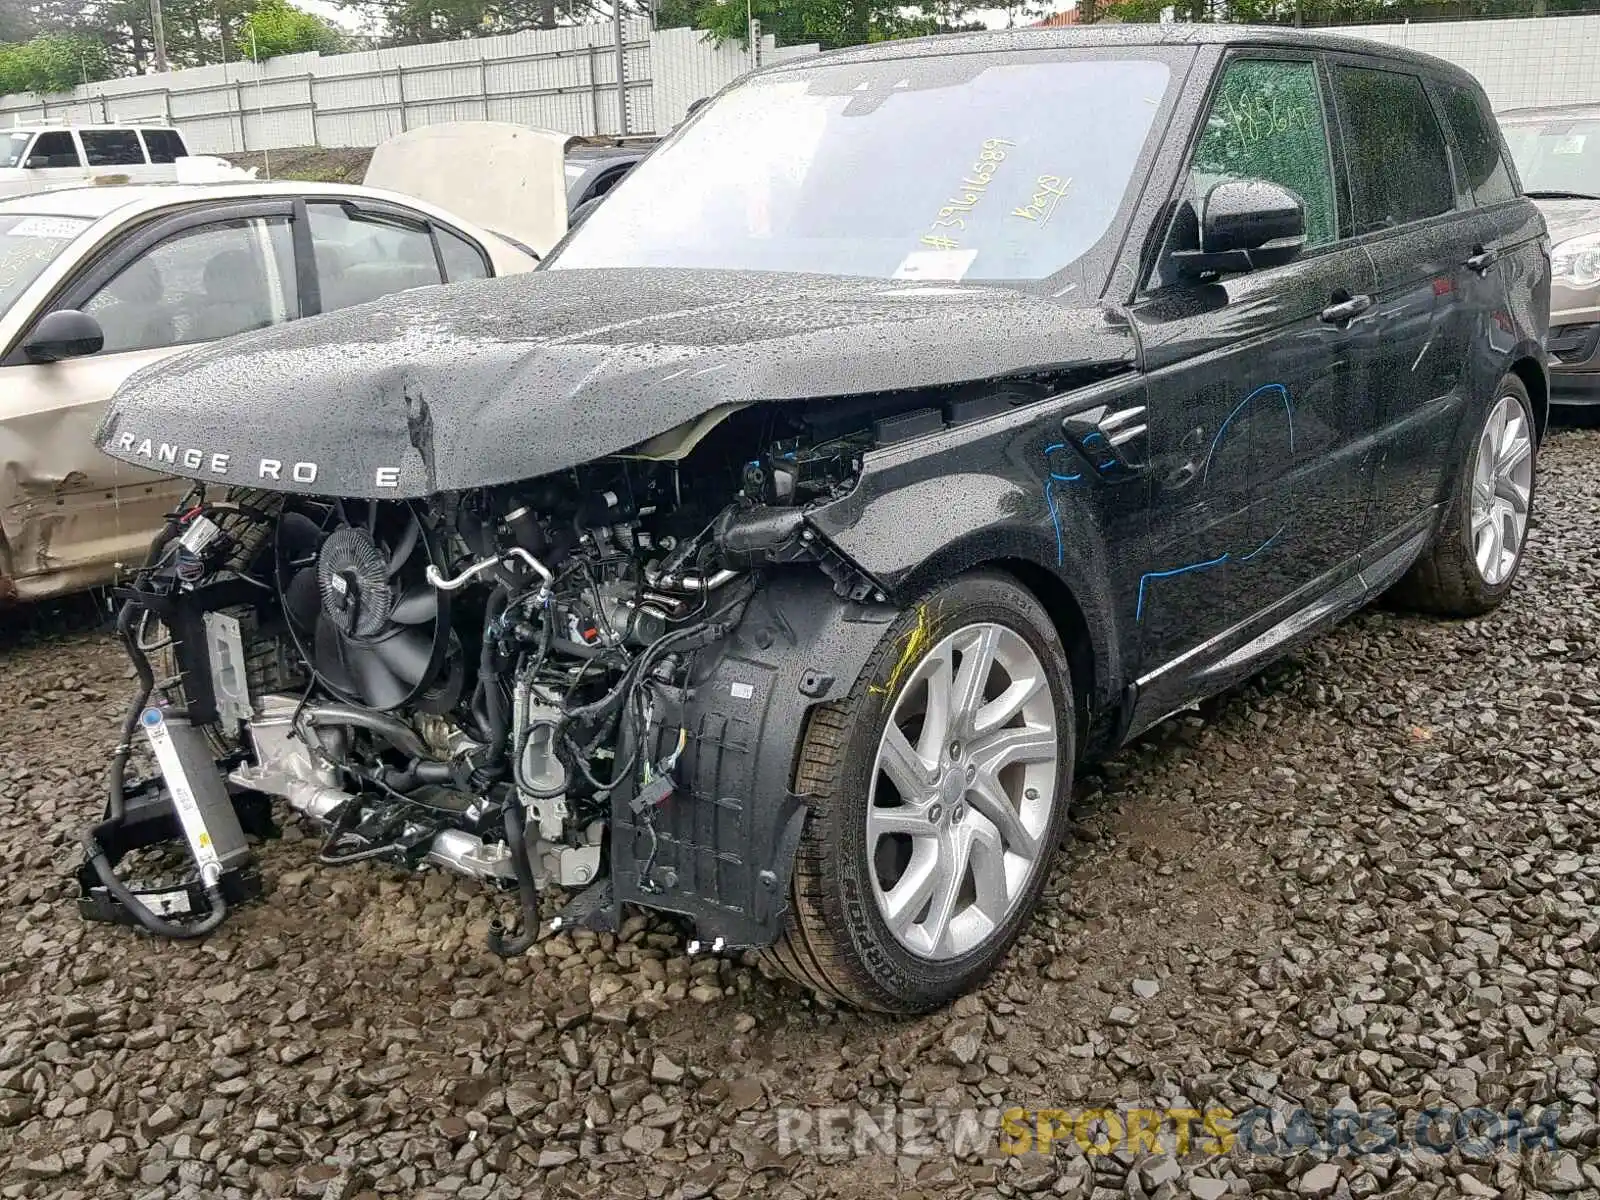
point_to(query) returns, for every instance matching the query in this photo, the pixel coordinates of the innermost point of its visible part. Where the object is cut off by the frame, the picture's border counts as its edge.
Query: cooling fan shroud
(354, 588)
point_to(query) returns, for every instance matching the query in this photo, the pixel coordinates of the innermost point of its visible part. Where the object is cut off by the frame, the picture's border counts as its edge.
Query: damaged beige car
(97, 283)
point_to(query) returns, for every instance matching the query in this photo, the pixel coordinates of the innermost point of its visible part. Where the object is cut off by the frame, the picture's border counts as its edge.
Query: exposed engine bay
(496, 681)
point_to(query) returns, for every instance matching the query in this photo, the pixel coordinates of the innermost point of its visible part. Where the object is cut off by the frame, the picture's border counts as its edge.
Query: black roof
(1121, 36)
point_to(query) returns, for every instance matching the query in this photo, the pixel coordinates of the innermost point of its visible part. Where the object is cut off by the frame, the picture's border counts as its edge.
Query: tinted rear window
(164, 145)
(112, 147)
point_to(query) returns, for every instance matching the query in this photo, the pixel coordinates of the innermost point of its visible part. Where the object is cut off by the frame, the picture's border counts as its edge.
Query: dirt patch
(313, 164)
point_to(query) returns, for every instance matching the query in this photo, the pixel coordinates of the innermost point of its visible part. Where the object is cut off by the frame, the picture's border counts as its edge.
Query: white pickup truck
(42, 157)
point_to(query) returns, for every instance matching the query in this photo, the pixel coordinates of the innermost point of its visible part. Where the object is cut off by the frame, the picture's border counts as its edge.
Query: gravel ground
(1368, 879)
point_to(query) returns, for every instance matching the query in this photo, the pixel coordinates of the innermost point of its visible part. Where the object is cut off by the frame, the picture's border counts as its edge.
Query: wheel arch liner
(720, 847)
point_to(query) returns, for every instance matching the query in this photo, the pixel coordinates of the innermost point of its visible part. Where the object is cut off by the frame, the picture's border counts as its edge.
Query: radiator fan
(366, 619)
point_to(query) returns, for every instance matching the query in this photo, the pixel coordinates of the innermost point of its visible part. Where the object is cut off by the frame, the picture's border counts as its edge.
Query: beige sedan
(97, 282)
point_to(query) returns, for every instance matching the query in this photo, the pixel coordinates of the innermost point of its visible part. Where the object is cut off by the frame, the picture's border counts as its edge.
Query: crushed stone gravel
(1369, 878)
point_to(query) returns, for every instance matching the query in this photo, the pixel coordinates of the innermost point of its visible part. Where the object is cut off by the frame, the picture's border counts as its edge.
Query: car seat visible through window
(236, 296)
(133, 311)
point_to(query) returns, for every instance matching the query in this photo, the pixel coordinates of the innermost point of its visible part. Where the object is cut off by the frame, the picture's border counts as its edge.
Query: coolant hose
(494, 701)
(154, 924)
(130, 723)
(499, 943)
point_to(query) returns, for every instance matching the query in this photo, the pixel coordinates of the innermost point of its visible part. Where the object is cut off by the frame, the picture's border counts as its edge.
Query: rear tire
(865, 853)
(1467, 572)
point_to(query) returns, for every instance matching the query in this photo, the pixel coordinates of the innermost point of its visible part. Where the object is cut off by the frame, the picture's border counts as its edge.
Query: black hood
(448, 388)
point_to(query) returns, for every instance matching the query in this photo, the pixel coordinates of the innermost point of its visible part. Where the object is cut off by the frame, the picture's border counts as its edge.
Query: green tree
(408, 22)
(52, 63)
(833, 23)
(278, 27)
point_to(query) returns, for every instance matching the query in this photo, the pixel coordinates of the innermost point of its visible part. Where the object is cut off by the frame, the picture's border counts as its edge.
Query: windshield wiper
(1538, 195)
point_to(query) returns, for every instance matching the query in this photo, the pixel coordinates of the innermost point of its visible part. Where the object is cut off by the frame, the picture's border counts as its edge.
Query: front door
(54, 161)
(69, 511)
(1260, 468)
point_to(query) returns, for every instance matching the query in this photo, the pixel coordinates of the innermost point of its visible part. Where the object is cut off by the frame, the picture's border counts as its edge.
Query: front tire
(1471, 566)
(939, 790)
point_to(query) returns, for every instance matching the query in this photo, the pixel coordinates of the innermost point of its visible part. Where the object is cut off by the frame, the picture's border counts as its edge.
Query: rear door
(117, 156)
(1509, 232)
(1426, 244)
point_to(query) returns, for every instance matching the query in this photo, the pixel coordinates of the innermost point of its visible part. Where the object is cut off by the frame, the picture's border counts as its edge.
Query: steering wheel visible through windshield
(967, 166)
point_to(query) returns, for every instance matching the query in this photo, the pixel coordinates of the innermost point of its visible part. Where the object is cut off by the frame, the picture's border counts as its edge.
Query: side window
(462, 260)
(164, 145)
(1399, 170)
(198, 285)
(1482, 160)
(112, 147)
(362, 256)
(55, 149)
(1266, 122)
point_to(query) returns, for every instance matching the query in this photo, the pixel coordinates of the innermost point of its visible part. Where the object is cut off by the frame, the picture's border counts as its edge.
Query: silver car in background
(1557, 152)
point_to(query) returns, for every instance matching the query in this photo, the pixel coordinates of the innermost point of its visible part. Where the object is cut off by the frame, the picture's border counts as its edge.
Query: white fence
(567, 79)
(1529, 61)
(563, 79)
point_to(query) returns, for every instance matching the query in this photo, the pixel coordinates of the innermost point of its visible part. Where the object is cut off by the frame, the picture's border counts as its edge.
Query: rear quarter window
(1477, 139)
(462, 260)
(164, 145)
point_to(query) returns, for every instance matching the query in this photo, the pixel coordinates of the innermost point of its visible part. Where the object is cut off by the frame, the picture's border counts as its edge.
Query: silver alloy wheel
(962, 791)
(1502, 482)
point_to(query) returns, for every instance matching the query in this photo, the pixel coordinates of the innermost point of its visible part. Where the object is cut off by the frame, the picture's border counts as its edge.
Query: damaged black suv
(915, 422)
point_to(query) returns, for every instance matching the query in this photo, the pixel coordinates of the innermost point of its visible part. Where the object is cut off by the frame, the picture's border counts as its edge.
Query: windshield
(971, 166)
(13, 148)
(29, 244)
(1556, 155)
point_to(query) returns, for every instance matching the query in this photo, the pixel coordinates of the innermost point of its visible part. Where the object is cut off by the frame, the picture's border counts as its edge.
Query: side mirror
(1246, 224)
(65, 333)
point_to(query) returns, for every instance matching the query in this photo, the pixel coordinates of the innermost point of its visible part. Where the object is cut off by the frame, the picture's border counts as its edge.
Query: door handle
(1342, 311)
(1481, 260)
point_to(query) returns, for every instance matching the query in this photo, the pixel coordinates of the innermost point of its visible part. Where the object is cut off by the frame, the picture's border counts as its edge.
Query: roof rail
(19, 122)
